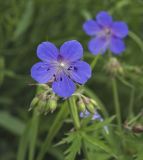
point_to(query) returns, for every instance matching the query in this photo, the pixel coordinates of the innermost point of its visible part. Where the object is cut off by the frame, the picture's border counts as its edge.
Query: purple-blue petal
(64, 87)
(42, 72)
(96, 116)
(117, 45)
(47, 51)
(71, 51)
(98, 45)
(104, 19)
(120, 29)
(91, 27)
(81, 72)
(84, 114)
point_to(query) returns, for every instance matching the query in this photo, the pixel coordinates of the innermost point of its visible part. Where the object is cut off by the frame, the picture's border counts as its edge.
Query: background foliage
(26, 23)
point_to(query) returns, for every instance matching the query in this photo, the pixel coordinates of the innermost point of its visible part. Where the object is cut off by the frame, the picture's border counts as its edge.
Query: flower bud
(113, 67)
(40, 109)
(81, 106)
(33, 103)
(52, 102)
(47, 108)
(90, 108)
(95, 103)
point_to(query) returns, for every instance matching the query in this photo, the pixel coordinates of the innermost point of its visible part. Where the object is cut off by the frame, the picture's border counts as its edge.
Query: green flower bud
(47, 108)
(90, 108)
(114, 67)
(95, 103)
(52, 104)
(34, 103)
(81, 106)
(40, 109)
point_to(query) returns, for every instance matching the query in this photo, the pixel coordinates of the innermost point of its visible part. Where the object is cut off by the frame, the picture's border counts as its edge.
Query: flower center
(62, 64)
(108, 33)
(105, 33)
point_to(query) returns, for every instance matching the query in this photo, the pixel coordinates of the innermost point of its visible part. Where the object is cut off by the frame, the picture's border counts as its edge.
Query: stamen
(62, 64)
(107, 31)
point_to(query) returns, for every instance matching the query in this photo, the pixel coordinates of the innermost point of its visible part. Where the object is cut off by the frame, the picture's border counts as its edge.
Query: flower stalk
(116, 103)
(76, 121)
(74, 113)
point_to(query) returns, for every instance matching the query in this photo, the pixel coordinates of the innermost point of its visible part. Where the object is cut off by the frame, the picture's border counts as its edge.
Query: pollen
(62, 64)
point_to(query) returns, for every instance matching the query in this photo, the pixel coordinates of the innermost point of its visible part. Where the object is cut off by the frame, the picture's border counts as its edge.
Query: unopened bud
(33, 103)
(95, 104)
(81, 106)
(40, 109)
(47, 108)
(90, 108)
(114, 67)
(52, 104)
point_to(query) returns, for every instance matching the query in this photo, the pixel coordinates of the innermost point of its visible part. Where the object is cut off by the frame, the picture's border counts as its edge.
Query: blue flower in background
(95, 116)
(61, 66)
(106, 34)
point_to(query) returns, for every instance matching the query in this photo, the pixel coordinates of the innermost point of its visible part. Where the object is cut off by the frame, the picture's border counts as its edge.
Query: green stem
(53, 131)
(85, 151)
(33, 135)
(23, 145)
(116, 103)
(76, 121)
(94, 61)
(134, 119)
(74, 113)
(137, 39)
(131, 102)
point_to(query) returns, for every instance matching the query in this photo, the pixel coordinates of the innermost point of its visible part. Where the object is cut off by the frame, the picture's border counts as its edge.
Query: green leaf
(136, 39)
(25, 20)
(56, 153)
(28, 139)
(11, 123)
(23, 145)
(74, 139)
(2, 65)
(97, 125)
(98, 143)
(86, 14)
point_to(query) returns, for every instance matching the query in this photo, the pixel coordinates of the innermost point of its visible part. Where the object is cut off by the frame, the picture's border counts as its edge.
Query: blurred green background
(26, 23)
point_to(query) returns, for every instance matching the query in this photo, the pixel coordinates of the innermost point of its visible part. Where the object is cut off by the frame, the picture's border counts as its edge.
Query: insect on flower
(106, 34)
(63, 67)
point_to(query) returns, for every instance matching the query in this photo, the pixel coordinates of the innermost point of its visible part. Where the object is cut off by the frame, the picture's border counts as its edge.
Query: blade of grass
(23, 145)
(11, 123)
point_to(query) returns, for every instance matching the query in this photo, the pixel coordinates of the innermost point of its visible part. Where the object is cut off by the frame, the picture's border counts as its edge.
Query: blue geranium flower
(106, 34)
(95, 116)
(61, 67)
